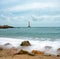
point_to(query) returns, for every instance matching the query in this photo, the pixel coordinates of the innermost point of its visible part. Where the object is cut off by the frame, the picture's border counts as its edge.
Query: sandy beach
(24, 56)
(15, 53)
(11, 54)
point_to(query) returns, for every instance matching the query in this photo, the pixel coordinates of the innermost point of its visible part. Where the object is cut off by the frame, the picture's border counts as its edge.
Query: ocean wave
(35, 44)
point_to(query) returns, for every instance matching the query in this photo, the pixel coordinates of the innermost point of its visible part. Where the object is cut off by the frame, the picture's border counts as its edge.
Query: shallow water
(38, 37)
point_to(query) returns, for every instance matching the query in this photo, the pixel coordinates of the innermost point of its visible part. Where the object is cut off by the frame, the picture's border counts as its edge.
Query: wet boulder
(1, 47)
(25, 52)
(8, 45)
(48, 47)
(47, 50)
(22, 52)
(31, 54)
(58, 52)
(37, 52)
(25, 43)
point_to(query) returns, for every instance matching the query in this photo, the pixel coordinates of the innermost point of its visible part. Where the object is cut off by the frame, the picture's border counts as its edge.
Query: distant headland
(5, 26)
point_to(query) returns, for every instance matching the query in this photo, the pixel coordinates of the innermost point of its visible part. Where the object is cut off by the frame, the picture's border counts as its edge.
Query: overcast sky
(40, 13)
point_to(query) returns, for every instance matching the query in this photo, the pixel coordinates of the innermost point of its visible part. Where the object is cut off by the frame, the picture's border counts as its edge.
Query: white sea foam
(35, 44)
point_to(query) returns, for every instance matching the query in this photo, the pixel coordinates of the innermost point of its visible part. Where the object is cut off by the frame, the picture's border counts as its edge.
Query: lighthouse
(29, 24)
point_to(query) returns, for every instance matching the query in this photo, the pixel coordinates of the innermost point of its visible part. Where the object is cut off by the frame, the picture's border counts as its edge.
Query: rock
(58, 49)
(25, 43)
(58, 52)
(1, 48)
(31, 54)
(47, 50)
(8, 46)
(25, 52)
(22, 52)
(48, 47)
(37, 52)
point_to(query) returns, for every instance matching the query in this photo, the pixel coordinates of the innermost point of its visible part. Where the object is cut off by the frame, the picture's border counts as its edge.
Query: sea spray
(35, 44)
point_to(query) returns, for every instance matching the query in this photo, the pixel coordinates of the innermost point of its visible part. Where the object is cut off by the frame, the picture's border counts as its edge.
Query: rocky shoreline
(5, 26)
(15, 51)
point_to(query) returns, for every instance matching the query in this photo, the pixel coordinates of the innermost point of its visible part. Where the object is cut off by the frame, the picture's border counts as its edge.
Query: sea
(39, 37)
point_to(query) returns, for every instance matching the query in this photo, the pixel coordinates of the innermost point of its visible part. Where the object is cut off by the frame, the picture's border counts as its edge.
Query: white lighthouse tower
(29, 24)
